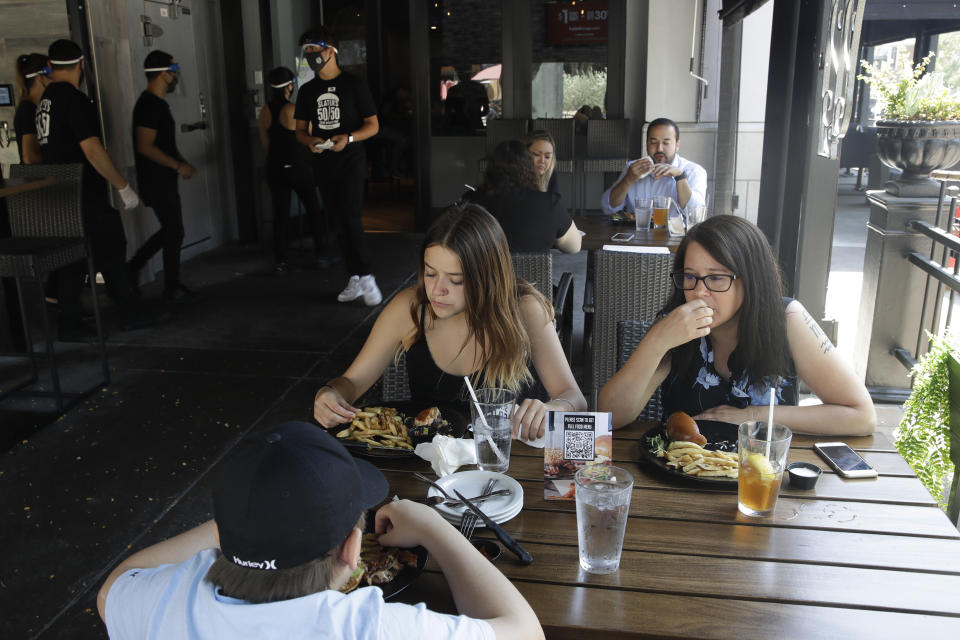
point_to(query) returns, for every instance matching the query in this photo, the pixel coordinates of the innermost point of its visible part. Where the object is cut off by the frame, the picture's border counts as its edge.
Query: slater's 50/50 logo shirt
(335, 106)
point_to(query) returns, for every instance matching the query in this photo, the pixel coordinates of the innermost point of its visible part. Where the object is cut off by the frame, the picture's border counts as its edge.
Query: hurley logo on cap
(253, 564)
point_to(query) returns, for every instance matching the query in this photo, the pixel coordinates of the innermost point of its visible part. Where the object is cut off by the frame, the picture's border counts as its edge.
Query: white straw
(483, 419)
(773, 391)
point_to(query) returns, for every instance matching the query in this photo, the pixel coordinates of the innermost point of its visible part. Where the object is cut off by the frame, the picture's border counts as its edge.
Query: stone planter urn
(917, 147)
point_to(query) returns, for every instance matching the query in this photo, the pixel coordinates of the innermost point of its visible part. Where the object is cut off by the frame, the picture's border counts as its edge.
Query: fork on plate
(468, 522)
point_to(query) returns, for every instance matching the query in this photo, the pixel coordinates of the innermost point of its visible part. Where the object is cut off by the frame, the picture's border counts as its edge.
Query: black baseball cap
(32, 64)
(64, 52)
(290, 494)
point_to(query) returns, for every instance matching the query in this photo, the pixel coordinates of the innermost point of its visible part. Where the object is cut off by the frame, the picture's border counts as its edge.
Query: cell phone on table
(844, 460)
(622, 237)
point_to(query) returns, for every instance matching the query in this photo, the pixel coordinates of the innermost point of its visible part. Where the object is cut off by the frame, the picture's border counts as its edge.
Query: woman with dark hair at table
(727, 336)
(31, 81)
(466, 316)
(533, 220)
(288, 167)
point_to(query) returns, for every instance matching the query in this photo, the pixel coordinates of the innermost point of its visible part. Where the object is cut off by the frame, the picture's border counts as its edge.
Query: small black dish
(490, 549)
(803, 475)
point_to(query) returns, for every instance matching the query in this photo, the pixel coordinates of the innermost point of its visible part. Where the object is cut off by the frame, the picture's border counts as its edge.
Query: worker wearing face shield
(335, 112)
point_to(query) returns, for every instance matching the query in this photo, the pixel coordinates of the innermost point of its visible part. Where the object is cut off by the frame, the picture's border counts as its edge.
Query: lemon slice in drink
(762, 464)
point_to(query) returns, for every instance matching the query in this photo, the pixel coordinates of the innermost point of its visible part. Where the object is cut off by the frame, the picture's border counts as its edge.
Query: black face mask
(316, 61)
(173, 84)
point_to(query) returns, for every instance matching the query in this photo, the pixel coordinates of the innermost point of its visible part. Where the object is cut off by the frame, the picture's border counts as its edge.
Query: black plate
(407, 575)
(410, 409)
(712, 430)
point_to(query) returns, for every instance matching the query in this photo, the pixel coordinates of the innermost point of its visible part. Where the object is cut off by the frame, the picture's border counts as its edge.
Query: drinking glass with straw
(763, 455)
(492, 419)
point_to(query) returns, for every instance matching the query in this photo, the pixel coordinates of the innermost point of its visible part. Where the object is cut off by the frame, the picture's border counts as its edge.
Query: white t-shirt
(648, 187)
(173, 601)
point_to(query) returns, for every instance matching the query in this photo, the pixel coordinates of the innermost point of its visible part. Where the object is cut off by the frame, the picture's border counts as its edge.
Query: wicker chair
(608, 147)
(395, 385)
(47, 230)
(537, 269)
(629, 286)
(629, 335)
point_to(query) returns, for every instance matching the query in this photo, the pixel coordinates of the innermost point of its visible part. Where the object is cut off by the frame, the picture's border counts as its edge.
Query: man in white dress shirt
(662, 172)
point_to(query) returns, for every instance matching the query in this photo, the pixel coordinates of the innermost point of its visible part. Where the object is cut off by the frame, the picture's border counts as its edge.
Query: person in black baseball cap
(289, 507)
(32, 79)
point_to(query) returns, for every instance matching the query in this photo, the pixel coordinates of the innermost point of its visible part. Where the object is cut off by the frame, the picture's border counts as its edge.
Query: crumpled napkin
(638, 160)
(446, 454)
(539, 443)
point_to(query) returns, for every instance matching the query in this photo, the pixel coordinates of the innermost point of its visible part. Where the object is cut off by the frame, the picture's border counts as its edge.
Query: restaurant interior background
(704, 63)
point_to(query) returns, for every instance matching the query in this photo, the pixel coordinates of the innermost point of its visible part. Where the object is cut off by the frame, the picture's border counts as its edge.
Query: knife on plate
(505, 538)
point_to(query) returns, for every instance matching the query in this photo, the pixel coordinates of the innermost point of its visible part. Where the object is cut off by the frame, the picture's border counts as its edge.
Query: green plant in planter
(923, 437)
(911, 94)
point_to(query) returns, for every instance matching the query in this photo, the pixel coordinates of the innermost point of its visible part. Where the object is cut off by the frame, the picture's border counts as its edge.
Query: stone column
(892, 291)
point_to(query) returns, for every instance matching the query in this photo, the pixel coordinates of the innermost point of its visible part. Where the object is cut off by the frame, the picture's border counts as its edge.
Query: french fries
(378, 427)
(692, 459)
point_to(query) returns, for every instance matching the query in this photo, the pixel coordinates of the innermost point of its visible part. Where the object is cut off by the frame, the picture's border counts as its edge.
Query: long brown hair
(509, 168)
(762, 350)
(534, 136)
(492, 293)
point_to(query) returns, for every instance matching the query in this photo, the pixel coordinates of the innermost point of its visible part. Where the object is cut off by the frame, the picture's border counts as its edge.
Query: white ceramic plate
(470, 484)
(510, 515)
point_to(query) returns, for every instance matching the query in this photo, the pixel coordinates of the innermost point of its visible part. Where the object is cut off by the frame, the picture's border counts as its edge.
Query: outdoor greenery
(910, 94)
(585, 88)
(923, 437)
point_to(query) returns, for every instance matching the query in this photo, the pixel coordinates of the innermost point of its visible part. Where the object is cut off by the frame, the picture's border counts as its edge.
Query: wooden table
(599, 231)
(851, 559)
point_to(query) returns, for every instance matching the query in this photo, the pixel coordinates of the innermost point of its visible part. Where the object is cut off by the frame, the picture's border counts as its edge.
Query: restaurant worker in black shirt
(159, 165)
(334, 113)
(32, 78)
(68, 131)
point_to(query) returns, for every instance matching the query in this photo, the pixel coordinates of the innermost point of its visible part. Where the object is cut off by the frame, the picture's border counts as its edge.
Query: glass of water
(643, 210)
(492, 422)
(603, 503)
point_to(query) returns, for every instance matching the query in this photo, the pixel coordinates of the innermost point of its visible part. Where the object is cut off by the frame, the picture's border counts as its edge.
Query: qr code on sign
(578, 445)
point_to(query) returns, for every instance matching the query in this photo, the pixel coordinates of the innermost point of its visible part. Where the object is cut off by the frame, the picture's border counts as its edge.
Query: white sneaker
(371, 292)
(352, 292)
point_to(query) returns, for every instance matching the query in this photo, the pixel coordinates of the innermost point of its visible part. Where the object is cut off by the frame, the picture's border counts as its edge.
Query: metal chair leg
(26, 333)
(51, 352)
(101, 336)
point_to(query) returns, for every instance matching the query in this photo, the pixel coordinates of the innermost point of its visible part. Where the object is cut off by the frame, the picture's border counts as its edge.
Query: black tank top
(284, 149)
(429, 383)
(432, 385)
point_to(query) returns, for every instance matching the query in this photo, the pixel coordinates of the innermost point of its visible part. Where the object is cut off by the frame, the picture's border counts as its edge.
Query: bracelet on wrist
(562, 399)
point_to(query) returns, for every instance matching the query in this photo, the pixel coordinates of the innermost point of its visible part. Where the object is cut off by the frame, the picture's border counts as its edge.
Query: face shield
(310, 63)
(177, 85)
(283, 86)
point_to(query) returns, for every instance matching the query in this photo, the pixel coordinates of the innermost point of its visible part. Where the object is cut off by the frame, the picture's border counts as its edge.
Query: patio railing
(942, 267)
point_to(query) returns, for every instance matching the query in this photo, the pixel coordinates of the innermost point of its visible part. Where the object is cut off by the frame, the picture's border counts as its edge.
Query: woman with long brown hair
(727, 336)
(31, 80)
(542, 149)
(466, 316)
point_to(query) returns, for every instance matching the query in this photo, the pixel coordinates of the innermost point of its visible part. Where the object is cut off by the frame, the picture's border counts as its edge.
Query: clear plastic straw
(493, 445)
(773, 392)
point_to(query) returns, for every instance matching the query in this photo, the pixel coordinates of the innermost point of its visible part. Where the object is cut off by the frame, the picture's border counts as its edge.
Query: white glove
(129, 197)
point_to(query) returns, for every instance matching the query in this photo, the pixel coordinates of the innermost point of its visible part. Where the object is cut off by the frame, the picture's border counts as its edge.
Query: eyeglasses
(716, 282)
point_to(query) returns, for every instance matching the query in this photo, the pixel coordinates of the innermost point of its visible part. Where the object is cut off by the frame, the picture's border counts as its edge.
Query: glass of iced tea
(661, 207)
(761, 466)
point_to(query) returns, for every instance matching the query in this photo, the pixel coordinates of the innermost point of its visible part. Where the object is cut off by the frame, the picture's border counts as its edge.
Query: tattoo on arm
(824, 342)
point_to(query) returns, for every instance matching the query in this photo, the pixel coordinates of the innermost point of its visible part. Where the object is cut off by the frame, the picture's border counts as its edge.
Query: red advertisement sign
(583, 22)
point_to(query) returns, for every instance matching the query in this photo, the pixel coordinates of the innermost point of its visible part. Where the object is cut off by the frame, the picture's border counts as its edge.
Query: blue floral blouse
(701, 388)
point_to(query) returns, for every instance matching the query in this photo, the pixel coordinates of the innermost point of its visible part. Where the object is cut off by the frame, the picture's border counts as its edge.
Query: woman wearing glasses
(727, 335)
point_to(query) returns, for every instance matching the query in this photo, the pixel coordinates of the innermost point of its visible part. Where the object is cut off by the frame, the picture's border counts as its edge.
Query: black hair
(762, 350)
(278, 75)
(29, 63)
(509, 168)
(155, 60)
(317, 34)
(665, 121)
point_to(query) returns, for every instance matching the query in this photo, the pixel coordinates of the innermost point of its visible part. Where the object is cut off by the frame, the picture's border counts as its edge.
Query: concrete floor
(132, 464)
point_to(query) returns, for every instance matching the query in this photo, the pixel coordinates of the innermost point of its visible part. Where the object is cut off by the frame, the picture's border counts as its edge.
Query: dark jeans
(104, 229)
(166, 206)
(341, 177)
(282, 181)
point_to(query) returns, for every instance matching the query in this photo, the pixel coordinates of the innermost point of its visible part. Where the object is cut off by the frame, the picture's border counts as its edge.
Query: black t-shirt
(24, 123)
(531, 220)
(335, 106)
(65, 117)
(154, 113)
